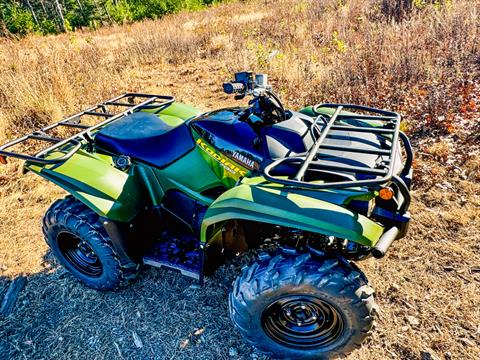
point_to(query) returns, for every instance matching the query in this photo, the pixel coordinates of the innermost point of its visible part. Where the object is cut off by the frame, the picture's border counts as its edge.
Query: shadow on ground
(162, 315)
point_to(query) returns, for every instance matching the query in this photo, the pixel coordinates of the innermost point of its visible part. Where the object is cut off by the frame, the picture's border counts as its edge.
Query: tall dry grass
(365, 51)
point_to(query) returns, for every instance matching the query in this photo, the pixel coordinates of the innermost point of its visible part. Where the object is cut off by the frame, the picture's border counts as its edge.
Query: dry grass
(425, 66)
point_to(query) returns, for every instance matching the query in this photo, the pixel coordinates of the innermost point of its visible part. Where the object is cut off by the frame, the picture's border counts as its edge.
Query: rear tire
(80, 243)
(300, 307)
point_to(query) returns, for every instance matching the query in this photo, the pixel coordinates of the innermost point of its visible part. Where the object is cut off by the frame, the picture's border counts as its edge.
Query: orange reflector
(386, 193)
(3, 160)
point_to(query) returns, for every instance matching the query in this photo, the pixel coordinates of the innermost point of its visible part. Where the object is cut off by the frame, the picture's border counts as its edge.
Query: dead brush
(401, 10)
(473, 168)
(344, 50)
(439, 151)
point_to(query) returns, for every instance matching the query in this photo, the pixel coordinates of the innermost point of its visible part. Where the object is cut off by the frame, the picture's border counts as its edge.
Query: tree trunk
(80, 6)
(60, 14)
(33, 13)
(43, 7)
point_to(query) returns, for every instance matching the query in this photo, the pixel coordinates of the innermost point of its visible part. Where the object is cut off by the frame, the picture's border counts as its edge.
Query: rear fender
(111, 193)
(287, 208)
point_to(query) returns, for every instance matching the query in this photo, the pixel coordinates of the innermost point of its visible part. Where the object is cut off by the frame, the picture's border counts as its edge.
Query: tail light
(386, 193)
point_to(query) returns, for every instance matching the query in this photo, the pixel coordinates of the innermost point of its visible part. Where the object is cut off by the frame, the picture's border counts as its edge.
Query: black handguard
(234, 88)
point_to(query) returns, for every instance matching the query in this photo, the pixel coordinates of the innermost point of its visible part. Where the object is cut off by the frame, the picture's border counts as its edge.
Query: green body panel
(225, 169)
(329, 112)
(334, 196)
(176, 110)
(183, 174)
(118, 195)
(324, 110)
(216, 171)
(190, 174)
(94, 180)
(284, 207)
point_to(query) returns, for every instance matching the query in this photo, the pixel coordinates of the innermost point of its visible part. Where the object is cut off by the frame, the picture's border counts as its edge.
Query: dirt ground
(428, 286)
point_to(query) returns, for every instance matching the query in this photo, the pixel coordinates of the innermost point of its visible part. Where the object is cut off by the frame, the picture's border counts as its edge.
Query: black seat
(147, 138)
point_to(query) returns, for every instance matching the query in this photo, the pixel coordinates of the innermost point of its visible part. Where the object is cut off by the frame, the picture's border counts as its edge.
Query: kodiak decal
(225, 162)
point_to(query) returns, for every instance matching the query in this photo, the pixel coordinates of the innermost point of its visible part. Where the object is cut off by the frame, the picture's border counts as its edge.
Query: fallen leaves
(195, 337)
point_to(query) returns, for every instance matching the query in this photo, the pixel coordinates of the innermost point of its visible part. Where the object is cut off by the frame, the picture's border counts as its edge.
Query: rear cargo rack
(388, 125)
(74, 143)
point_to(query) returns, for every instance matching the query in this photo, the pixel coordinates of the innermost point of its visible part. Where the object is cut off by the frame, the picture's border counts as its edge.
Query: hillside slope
(423, 63)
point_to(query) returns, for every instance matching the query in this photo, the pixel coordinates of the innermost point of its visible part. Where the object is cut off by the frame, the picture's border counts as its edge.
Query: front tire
(80, 243)
(300, 307)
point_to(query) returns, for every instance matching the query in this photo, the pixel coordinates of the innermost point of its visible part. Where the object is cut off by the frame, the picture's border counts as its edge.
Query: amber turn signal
(386, 193)
(3, 160)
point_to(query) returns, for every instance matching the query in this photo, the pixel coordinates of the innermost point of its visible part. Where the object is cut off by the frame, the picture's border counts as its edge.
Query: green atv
(156, 182)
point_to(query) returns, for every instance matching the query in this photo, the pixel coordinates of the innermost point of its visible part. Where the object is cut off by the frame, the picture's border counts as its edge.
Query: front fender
(287, 208)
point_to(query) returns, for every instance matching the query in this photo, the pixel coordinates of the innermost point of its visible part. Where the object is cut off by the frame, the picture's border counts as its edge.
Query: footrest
(180, 253)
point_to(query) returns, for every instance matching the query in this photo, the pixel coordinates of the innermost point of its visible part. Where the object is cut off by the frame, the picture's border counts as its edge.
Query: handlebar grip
(234, 88)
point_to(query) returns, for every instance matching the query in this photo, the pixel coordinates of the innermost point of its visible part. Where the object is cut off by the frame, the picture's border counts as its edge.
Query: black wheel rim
(79, 254)
(302, 322)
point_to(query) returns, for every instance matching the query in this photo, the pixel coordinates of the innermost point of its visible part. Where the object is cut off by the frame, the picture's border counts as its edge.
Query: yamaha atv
(156, 182)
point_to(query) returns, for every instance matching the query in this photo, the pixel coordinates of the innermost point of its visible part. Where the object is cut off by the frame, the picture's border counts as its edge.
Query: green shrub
(17, 18)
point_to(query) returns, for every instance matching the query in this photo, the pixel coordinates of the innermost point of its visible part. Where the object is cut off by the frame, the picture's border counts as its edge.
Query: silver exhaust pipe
(384, 242)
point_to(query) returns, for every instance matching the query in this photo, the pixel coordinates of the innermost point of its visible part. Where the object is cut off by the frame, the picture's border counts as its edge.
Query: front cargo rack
(131, 101)
(386, 124)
